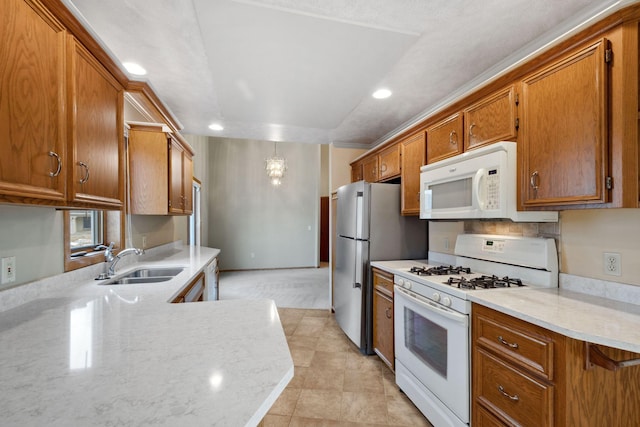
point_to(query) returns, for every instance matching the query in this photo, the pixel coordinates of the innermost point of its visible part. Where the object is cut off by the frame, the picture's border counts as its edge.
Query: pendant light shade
(275, 166)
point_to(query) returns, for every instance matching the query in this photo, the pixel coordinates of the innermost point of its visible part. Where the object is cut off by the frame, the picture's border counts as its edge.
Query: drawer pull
(514, 397)
(508, 344)
(387, 312)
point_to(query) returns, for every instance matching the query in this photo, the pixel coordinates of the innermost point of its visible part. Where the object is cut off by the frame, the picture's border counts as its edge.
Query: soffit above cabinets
(304, 70)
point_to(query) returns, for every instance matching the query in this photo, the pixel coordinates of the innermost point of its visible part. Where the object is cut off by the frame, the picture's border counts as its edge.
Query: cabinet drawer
(383, 282)
(518, 342)
(484, 418)
(510, 394)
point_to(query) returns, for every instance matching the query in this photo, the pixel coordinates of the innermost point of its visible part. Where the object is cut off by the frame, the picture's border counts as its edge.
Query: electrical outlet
(446, 243)
(612, 265)
(144, 242)
(8, 270)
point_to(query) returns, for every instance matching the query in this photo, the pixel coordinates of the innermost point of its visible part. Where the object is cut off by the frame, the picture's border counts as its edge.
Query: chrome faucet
(114, 260)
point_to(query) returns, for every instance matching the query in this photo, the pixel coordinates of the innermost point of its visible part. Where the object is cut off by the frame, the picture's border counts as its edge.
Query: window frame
(93, 256)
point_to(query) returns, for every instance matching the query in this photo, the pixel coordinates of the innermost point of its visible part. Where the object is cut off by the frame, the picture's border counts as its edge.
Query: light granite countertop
(578, 315)
(96, 355)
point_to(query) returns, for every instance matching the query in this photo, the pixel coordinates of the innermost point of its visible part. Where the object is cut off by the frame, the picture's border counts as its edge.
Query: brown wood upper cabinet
(491, 119)
(370, 169)
(96, 105)
(181, 178)
(356, 172)
(64, 118)
(389, 163)
(32, 108)
(564, 130)
(413, 157)
(445, 138)
(161, 172)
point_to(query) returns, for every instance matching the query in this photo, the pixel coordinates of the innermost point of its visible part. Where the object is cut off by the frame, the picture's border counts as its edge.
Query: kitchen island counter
(89, 354)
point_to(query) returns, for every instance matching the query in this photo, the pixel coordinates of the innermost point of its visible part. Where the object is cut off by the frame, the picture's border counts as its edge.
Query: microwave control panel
(492, 189)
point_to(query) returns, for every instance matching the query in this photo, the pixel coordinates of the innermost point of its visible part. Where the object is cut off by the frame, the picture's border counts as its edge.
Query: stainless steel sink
(133, 280)
(155, 272)
(146, 275)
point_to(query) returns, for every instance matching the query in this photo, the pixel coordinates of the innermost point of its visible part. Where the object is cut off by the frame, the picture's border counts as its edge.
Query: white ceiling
(304, 70)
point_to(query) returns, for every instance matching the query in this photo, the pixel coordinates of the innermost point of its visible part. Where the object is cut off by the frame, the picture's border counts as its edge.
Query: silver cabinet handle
(534, 180)
(383, 167)
(451, 135)
(507, 343)
(514, 397)
(471, 135)
(57, 172)
(86, 172)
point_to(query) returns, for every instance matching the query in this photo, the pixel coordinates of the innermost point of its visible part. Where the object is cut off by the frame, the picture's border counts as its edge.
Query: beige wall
(587, 234)
(339, 159)
(582, 237)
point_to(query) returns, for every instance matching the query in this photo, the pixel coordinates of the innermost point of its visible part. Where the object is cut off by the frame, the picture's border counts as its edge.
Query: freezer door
(353, 210)
(349, 288)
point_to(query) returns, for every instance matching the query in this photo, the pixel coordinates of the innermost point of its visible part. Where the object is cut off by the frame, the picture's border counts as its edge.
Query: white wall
(247, 215)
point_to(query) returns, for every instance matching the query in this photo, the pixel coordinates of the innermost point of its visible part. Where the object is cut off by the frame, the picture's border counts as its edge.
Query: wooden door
(491, 119)
(324, 229)
(413, 157)
(445, 138)
(564, 123)
(96, 131)
(32, 103)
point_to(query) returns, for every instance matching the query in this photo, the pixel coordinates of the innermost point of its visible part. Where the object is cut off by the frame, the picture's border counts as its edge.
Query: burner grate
(483, 282)
(442, 270)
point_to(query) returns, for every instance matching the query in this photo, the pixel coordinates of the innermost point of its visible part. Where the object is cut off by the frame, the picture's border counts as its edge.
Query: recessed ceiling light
(216, 126)
(134, 68)
(381, 94)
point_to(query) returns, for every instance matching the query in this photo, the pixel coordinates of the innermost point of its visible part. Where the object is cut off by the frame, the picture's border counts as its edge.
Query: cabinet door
(356, 172)
(445, 138)
(149, 172)
(383, 317)
(96, 131)
(32, 98)
(564, 125)
(413, 157)
(176, 200)
(187, 182)
(491, 119)
(389, 163)
(370, 169)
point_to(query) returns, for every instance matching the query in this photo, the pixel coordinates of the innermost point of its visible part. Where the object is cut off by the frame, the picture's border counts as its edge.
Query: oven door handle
(433, 307)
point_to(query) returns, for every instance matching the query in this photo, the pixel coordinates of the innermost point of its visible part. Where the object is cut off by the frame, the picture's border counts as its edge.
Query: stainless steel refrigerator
(369, 228)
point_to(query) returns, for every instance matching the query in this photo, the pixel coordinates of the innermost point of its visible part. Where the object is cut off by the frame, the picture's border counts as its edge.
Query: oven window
(454, 194)
(426, 340)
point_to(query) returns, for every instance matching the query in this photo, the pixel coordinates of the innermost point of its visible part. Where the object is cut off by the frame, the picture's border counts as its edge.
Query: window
(85, 231)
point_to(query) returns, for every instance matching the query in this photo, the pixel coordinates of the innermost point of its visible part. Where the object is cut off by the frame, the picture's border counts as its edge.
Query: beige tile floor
(333, 384)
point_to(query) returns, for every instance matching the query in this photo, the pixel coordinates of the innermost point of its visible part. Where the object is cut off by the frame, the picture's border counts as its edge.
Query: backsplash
(509, 228)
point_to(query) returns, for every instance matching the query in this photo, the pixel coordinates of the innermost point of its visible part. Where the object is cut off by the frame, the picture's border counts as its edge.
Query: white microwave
(479, 184)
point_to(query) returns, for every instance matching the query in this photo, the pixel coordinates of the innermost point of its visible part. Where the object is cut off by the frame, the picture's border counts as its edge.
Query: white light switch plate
(8, 270)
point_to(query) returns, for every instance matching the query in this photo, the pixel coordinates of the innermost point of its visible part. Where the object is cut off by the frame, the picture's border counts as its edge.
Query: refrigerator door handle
(357, 273)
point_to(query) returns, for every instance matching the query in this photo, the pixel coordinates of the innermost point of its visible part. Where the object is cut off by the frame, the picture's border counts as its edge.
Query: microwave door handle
(478, 181)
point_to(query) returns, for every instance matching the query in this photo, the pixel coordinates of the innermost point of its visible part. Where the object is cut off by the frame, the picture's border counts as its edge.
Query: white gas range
(431, 315)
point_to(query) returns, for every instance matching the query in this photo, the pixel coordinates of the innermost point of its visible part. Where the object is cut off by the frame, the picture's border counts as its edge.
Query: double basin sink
(146, 275)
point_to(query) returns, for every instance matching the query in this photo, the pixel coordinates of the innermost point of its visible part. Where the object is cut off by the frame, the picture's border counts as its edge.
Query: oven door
(432, 342)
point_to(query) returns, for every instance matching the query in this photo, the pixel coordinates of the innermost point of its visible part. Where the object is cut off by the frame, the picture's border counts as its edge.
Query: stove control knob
(435, 297)
(446, 301)
(407, 284)
(401, 282)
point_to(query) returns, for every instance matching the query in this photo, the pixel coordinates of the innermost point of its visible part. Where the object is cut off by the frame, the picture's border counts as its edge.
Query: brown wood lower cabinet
(193, 292)
(383, 317)
(525, 375)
